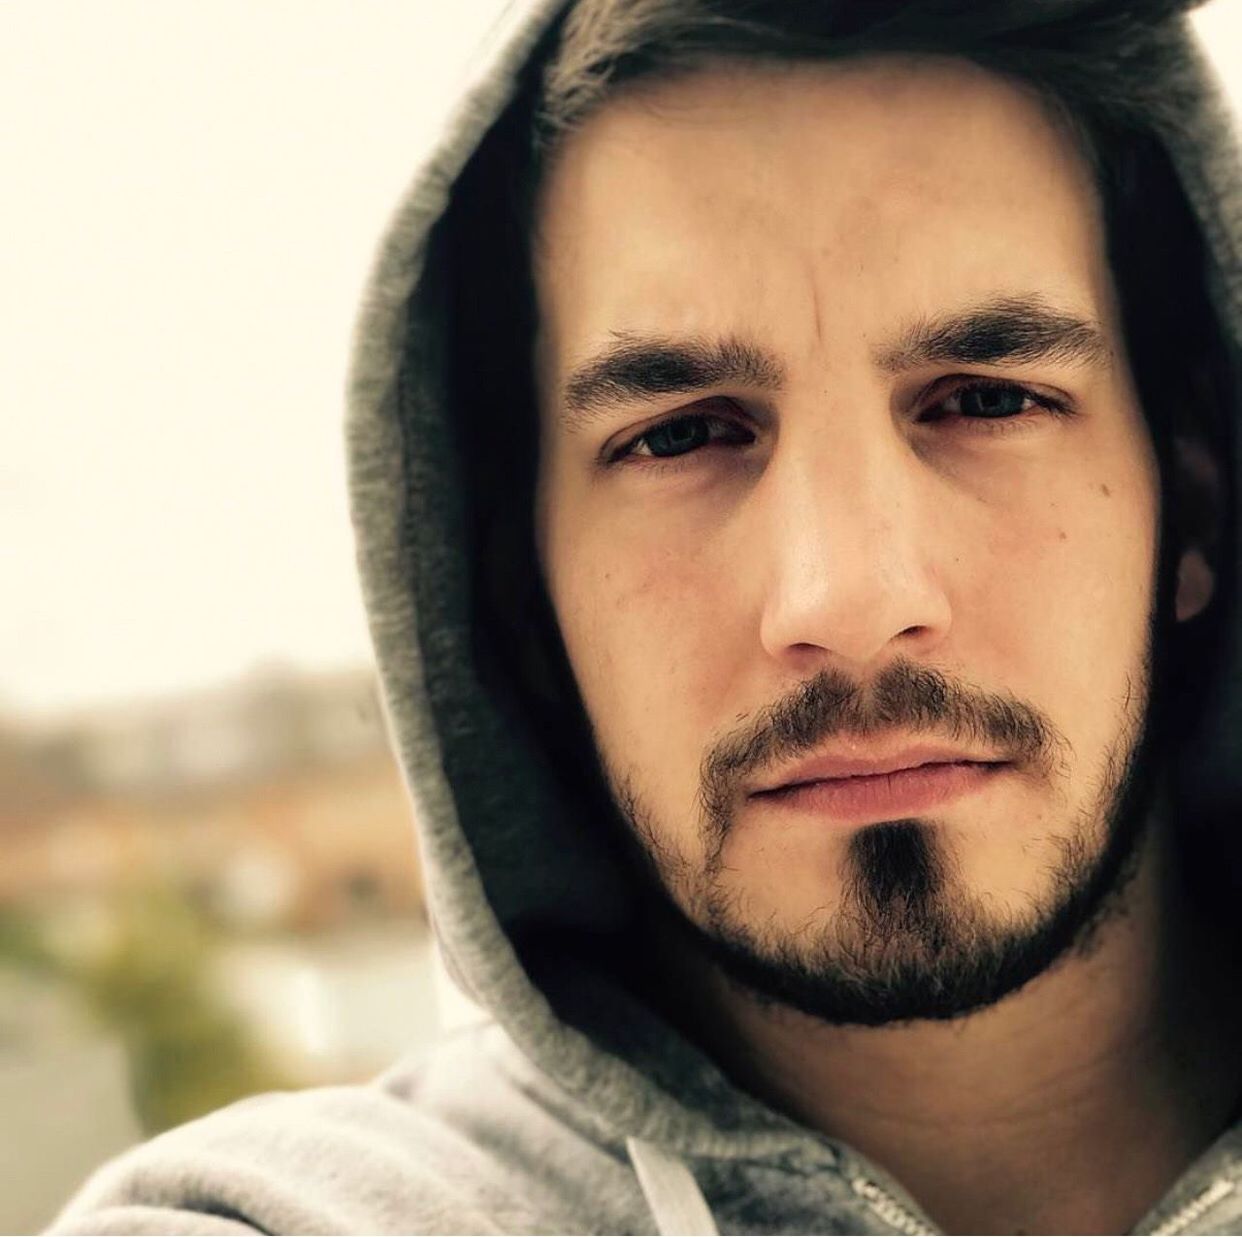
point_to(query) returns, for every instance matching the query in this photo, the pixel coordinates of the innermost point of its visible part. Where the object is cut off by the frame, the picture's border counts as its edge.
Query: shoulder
(453, 1141)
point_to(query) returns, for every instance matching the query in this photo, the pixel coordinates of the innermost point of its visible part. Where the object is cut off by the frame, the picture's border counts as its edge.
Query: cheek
(1063, 602)
(1083, 552)
(645, 624)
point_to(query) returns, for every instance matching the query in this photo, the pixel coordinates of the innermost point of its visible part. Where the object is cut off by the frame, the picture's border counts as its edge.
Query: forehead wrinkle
(817, 321)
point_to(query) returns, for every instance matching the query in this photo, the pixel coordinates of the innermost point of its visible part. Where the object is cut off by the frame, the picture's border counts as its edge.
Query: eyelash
(985, 425)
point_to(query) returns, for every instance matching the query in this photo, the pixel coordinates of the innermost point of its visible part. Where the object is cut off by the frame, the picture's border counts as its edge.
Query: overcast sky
(193, 192)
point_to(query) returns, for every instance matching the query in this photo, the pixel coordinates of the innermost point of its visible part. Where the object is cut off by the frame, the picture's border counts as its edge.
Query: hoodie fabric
(573, 1107)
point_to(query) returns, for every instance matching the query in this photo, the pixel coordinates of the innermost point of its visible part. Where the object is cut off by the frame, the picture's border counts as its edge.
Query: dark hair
(1101, 66)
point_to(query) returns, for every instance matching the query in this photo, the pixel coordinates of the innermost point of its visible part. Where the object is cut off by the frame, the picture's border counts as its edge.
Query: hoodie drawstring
(671, 1191)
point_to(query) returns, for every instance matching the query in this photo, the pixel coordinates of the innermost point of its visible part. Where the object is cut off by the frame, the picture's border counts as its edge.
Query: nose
(854, 558)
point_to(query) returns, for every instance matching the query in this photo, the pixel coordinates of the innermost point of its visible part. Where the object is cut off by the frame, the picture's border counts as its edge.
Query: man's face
(840, 457)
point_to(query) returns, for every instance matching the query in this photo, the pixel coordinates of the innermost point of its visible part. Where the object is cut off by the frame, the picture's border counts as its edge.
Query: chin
(905, 941)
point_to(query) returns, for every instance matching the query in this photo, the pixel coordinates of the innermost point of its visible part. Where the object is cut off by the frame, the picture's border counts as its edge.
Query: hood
(524, 896)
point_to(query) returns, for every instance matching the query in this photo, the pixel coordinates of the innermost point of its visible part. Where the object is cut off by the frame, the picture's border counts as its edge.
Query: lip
(835, 768)
(884, 796)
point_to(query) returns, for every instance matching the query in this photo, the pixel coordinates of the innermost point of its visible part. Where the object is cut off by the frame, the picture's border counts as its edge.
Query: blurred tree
(144, 974)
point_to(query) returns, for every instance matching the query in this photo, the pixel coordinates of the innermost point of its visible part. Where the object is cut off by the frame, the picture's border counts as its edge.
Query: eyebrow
(1012, 329)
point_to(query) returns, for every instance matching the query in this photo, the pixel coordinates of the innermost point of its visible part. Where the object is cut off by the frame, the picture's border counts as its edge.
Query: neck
(1071, 1105)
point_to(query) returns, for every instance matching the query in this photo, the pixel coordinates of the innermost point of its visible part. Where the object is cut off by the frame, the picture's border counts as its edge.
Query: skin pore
(839, 447)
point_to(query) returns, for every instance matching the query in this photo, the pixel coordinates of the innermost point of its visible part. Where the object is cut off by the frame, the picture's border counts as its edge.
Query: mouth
(886, 794)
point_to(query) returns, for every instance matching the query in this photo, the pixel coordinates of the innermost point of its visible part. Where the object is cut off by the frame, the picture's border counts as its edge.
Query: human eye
(990, 406)
(680, 436)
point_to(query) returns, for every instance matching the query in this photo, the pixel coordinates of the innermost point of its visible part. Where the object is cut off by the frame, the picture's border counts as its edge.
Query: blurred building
(273, 802)
(200, 897)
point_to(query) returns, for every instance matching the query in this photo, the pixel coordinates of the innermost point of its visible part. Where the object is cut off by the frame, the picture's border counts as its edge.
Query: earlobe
(1195, 584)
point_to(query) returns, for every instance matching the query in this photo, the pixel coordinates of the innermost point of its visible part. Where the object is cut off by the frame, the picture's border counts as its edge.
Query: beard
(907, 939)
(909, 942)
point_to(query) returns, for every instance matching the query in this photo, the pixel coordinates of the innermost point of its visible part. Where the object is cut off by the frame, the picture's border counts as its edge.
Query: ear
(1198, 494)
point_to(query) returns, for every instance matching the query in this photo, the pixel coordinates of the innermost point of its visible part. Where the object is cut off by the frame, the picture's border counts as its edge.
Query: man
(791, 460)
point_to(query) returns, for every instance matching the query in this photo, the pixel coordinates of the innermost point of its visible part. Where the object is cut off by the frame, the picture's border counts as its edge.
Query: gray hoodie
(575, 1108)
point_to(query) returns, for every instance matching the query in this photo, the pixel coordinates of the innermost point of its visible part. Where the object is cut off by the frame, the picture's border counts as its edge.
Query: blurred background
(208, 884)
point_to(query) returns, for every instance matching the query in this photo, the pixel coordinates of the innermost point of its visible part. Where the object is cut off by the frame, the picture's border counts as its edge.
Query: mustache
(904, 697)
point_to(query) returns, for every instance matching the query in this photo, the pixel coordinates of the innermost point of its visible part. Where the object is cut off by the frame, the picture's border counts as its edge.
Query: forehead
(809, 205)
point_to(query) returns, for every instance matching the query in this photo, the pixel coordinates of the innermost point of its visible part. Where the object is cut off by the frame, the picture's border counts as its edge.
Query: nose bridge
(852, 553)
